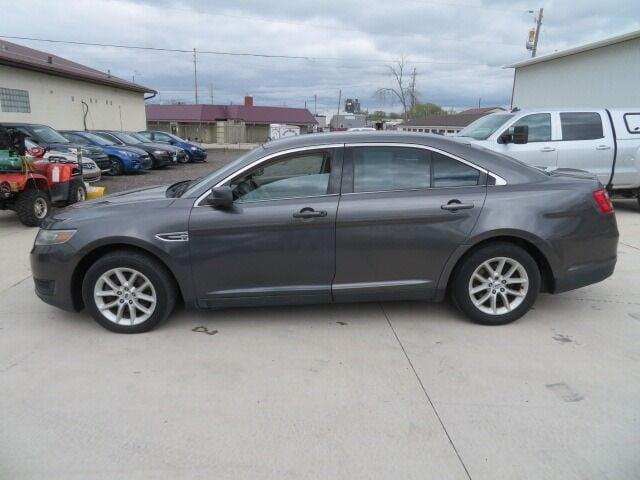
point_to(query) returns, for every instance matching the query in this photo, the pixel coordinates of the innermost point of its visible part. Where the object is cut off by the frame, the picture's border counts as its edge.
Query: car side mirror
(220, 197)
(520, 134)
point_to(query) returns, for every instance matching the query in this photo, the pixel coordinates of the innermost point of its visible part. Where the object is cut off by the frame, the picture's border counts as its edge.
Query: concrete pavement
(395, 390)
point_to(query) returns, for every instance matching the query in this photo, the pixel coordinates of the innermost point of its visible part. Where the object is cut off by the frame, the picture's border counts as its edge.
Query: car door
(584, 145)
(541, 150)
(403, 211)
(277, 243)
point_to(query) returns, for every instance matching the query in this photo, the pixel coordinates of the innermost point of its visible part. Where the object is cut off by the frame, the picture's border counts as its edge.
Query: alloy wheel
(125, 296)
(498, 286)
(40, 208)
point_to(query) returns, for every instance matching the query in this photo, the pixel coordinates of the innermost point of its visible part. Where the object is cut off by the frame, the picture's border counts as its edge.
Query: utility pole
(479, 101)
(532, 44)
(211, 92)
(315, 104)
(339, 100)
(412, 91)
(195, 74)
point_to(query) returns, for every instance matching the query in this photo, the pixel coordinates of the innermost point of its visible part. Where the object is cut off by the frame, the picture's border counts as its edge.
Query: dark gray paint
(383, 246)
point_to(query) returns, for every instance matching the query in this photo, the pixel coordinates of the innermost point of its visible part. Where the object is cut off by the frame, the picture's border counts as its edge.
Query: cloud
(457, 46)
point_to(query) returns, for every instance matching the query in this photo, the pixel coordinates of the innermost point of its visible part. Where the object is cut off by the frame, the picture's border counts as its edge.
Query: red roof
(24, 57)
(212, 113)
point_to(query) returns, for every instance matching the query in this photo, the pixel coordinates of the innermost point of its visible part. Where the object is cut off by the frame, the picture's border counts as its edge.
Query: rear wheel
(128, 292)
(32, 207)
(496, 284)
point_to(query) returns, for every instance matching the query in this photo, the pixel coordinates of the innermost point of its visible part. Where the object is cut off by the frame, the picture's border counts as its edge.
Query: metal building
(598, 74)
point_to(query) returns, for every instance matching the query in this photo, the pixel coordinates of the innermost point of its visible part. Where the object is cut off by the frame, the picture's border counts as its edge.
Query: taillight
(603, 200)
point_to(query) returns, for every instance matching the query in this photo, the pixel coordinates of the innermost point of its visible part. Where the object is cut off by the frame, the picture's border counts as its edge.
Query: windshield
(76, 139)
(126, 138)
(175, 137)
(45, 134)
(98, 139)
(228, 168)
(137, 136)
(484, 127)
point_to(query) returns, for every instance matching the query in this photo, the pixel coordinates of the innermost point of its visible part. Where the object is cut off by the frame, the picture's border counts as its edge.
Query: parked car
(90, 171)
(124, 159)
(333, 218)
(51, 139)
(195, 153)
(605, 142)
(361, 129)
(161, 155)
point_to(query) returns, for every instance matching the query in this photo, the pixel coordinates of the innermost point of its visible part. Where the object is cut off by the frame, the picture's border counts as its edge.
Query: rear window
(581, 126)
(632, 121)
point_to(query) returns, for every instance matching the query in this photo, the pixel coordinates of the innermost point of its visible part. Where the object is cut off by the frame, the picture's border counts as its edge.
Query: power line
(238, 54)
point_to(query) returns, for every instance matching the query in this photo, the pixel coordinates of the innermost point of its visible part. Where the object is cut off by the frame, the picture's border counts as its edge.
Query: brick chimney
(248, 101)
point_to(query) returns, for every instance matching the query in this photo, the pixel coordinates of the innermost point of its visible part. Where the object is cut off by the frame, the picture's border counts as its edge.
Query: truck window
(632, 120)
(539, 126)
(581, 126)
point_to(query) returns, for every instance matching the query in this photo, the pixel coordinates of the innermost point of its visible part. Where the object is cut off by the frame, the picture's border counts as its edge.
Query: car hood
(163, 146)
(127, 148)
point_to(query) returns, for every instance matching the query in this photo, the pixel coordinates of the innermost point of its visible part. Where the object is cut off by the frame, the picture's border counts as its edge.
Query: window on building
(539, 125)
(378, 169)
(581, 125)
(14, 100)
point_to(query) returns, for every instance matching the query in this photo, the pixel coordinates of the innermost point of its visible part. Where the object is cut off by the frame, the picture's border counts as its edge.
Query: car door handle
(603, 147)
(310, 213)
(548, 149)
(455, 205)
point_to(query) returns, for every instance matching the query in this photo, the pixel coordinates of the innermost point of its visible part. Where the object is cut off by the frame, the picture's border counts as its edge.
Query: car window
(539, 126)
(299, 175)
(581, 125)
(163, 137)
(632, 120)
(147, 135)
(76, 139)
(378, 169)
(448, 172)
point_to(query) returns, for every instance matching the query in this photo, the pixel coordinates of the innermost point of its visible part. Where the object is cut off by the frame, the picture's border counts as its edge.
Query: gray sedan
(333, 218)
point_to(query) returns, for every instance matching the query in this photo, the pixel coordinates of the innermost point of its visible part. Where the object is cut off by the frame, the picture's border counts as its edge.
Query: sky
(458, 47)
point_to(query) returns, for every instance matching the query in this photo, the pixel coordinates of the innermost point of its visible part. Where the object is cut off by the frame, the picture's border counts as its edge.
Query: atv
(31, 188)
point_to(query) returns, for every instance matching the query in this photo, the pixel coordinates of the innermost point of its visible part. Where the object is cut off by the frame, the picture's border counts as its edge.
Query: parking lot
(394, 390)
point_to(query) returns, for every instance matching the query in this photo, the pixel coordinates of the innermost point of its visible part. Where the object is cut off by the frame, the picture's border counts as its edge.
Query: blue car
(195, 153)
(124, 159)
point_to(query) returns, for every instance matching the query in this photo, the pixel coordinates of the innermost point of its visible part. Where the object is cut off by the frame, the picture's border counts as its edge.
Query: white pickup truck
(605, 142)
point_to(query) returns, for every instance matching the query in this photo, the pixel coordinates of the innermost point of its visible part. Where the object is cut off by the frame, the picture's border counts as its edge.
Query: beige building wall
(57, 102)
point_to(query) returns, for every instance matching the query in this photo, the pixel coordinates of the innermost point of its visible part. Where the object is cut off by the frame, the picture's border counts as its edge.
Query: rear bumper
(583, 275)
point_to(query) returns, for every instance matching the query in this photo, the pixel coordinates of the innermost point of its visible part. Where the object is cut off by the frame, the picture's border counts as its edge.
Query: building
(598, 74)
(346, 121)
(447, 125)
(483, 110)
(226, 123)
(38, 87)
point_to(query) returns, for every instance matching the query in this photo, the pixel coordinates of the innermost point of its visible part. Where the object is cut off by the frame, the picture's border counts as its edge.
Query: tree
(424, 109)
(377, 115)
(403, 91)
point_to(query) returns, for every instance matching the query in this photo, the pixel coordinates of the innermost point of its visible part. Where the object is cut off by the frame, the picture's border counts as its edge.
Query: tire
(508, 307)
(77, 191)
(117, 168)
(32, 207)
(163, 290)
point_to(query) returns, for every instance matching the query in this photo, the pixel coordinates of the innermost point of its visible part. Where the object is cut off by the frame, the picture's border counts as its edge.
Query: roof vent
(49, 59)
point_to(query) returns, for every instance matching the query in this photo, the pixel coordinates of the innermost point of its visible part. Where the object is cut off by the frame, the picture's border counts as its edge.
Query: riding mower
(32, 187)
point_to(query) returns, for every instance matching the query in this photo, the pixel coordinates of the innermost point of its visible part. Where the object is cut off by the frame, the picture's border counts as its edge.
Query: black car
(333, 218)
(161, 155)
(51, 139)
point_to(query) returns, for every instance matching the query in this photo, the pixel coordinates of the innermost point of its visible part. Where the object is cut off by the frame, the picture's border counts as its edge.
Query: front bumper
(103, 162)
(52, 267)
(164, 160)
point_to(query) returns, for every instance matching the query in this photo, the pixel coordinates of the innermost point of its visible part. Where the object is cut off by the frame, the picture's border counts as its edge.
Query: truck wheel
(77, 191)
(128, 292)
(32, 207)
(116, 167)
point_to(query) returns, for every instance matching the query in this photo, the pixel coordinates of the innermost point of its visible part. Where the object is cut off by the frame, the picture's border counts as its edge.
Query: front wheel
(32, 207)
(128, 292)
(496, 284)
(77, 191)
(117, 168)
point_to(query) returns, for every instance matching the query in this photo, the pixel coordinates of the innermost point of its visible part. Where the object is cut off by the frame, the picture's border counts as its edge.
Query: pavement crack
(426, 394)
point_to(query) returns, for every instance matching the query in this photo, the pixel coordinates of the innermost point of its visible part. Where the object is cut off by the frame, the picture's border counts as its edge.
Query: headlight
(85, 152)
(160, 152)
(195, 149)
(127, 154)
(54, 237)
